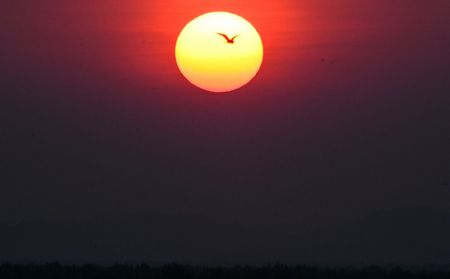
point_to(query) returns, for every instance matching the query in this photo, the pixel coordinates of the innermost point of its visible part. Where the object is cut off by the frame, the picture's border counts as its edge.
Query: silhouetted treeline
(175, 271)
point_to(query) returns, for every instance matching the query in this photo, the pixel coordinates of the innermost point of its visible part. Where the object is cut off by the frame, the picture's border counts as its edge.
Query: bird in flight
(229, 41)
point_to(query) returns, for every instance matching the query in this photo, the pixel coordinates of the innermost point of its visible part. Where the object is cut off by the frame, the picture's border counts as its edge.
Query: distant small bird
(229, 41)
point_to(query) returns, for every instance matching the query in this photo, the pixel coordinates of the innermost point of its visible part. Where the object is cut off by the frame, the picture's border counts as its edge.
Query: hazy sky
(108, 153)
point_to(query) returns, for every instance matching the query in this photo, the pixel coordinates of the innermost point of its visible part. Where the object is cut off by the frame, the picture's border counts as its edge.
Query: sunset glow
(211, 62)
(249, 138)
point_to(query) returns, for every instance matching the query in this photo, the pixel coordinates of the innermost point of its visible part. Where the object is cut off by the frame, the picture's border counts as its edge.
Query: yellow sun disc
(219, 52)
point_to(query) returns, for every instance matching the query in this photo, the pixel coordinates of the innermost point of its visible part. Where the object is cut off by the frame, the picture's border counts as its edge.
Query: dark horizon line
(177, 271)
(274, 264)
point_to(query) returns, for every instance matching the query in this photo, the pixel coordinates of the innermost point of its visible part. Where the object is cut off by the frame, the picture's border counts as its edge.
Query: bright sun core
(219, 52)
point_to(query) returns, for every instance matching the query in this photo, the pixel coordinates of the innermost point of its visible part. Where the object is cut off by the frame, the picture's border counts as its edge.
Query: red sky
(348, 116)
(135, 39)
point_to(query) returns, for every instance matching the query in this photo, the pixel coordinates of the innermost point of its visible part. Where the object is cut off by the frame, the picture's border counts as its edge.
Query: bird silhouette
(229, 41)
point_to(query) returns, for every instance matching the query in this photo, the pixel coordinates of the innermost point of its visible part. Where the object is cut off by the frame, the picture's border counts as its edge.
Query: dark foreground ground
(49, 271)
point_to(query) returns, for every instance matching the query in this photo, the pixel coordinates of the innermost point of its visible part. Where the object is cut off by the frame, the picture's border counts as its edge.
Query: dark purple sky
(338, 151)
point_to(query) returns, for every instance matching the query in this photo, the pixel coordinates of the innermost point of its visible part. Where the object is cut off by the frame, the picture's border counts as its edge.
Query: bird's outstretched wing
(223, 35)
(232, 39)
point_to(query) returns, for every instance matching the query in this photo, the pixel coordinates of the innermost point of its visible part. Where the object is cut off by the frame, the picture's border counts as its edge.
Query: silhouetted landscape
(55, 270)
(332, 162)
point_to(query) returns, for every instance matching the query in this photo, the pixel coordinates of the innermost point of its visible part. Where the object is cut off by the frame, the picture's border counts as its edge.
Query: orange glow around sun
(218, 62)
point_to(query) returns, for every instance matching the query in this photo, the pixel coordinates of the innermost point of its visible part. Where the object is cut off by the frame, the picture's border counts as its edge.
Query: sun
(219, 52)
